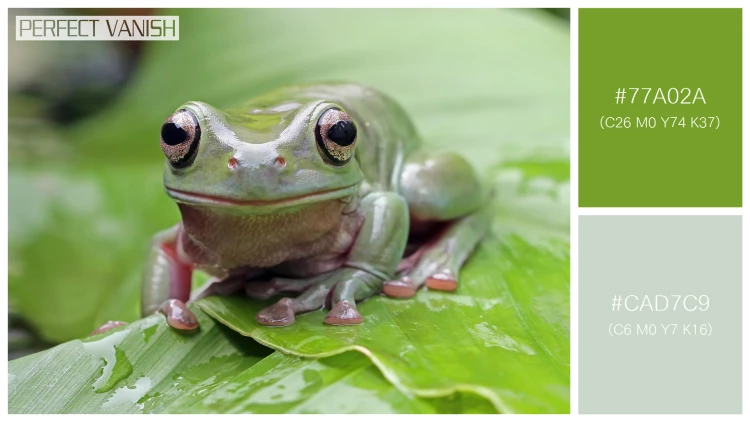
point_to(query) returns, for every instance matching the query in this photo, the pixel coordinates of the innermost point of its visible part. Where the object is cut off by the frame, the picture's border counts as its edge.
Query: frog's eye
(180, 135)
(335, 134)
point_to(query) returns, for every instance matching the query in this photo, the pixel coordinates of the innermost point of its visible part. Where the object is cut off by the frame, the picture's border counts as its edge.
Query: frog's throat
(200, 199)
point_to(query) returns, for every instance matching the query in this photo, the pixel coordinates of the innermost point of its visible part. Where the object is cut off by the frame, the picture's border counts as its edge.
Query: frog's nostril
(232, 163)
(280, 161)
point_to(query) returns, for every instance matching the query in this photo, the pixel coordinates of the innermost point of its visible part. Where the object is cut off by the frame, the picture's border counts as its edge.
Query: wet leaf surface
(146, 367)
(126, 370)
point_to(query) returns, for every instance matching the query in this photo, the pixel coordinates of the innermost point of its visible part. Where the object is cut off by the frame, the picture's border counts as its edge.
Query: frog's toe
(343, 313)
(403, 287)
(108, 326)
(179, 316)
(279, 314)
(444, 280)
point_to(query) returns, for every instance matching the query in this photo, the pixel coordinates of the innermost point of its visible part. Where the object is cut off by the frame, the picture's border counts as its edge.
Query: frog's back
(385, 134)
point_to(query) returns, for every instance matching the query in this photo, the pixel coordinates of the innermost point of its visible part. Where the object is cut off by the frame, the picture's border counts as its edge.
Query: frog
(321, 194)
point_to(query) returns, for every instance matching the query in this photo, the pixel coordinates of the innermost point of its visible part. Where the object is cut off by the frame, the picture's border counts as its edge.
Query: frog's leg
(167, 281)
(354, 286)
(166, 284)
(441, 260)
(441, 187)
(372, 259)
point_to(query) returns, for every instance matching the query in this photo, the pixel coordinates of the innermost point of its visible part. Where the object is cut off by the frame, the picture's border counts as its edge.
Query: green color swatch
(676, 140)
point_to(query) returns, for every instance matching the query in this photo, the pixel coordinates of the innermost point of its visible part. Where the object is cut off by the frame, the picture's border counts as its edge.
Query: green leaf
(147, 367)
(347, 383)
(125, 370)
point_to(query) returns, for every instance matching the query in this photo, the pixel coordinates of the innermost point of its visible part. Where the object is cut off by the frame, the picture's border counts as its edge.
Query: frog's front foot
(343, 313)
(341, 290)
(178, 315)
(282, 313)
(279, 314)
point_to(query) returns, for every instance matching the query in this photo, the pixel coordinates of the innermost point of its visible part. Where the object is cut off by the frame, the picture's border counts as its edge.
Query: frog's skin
(274, 200)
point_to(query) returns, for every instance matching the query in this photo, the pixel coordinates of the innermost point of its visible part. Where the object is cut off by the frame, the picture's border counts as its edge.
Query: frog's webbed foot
(340, 289)
(283, 312)
(441, 258)
(436, 266)
(279, 314)
(343, 313)
(439, 274)
(357, 285)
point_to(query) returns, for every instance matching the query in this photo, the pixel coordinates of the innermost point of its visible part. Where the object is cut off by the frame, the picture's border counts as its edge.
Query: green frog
(320, 192)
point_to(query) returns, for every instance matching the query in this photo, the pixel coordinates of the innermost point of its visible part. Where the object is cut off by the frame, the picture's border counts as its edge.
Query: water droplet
(149, 330)
(492, 337)
(149, 402)
(129, 395)
(116, 363)
(11, 378)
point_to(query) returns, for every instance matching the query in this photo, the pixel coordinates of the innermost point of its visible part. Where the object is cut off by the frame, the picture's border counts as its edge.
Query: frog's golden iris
(336, 135)
(180, 135)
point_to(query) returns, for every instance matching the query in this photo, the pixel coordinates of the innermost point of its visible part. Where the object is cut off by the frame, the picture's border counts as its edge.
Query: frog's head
(259, 160)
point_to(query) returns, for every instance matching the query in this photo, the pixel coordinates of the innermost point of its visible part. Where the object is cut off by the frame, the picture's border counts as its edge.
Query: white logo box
(97, 28)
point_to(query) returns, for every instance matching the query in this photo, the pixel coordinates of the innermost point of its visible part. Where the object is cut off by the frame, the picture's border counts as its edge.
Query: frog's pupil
(173, 134)
(343, 133)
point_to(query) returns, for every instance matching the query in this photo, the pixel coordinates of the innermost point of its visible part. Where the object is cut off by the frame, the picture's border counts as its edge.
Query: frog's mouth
(195, 198)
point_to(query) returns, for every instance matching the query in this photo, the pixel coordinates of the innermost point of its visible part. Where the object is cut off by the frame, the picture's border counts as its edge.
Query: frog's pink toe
(108, 326)
(179, 316)
(402, 287)
(343, 313)
(443, 280)
(279, 314)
